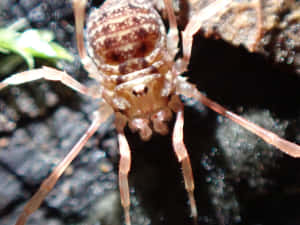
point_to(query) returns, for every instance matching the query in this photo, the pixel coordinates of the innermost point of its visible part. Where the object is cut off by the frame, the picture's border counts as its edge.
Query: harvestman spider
(132, 58)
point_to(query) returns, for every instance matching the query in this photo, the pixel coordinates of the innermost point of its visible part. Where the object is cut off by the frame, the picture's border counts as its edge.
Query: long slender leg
(193, 27)
(211, 11)
(190, 91)
(46, 73)
(79, 11)
(48, 184)
(124, 167)
(173, 36)
(183, 158)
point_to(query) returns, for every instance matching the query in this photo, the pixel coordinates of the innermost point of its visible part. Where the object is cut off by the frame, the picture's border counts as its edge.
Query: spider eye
(140, 90)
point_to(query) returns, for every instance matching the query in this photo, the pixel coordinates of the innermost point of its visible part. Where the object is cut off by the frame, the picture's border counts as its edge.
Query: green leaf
(32, 43)
(61, 53)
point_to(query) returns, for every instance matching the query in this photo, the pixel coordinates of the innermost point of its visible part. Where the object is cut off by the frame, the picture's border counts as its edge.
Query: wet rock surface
(239, 179)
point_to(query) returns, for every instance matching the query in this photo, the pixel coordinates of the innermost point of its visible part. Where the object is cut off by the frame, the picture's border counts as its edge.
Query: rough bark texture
(239, 179)
(278, 37)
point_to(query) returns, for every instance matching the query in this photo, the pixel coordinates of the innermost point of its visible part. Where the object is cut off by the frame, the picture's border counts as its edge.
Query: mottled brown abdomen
(123, 39)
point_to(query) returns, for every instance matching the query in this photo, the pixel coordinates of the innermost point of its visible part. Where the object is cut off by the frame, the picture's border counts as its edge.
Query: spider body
(128, 46)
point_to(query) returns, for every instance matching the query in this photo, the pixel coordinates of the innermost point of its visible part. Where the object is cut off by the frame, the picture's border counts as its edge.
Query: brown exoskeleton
(132, 57)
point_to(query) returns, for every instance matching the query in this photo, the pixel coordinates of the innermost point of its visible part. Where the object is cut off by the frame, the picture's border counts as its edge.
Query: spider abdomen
(124, 39)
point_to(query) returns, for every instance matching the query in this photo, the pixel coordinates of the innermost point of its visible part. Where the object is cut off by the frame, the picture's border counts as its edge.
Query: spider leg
(47, 73)
(173, 36)
(79, 13)
(183, 158)
(193, 27)
(33, 204)
(190, 91)
(124, 167)
(212, 10)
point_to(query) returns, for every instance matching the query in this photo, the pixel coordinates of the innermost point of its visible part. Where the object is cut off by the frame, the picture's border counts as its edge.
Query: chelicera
(132, 57)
